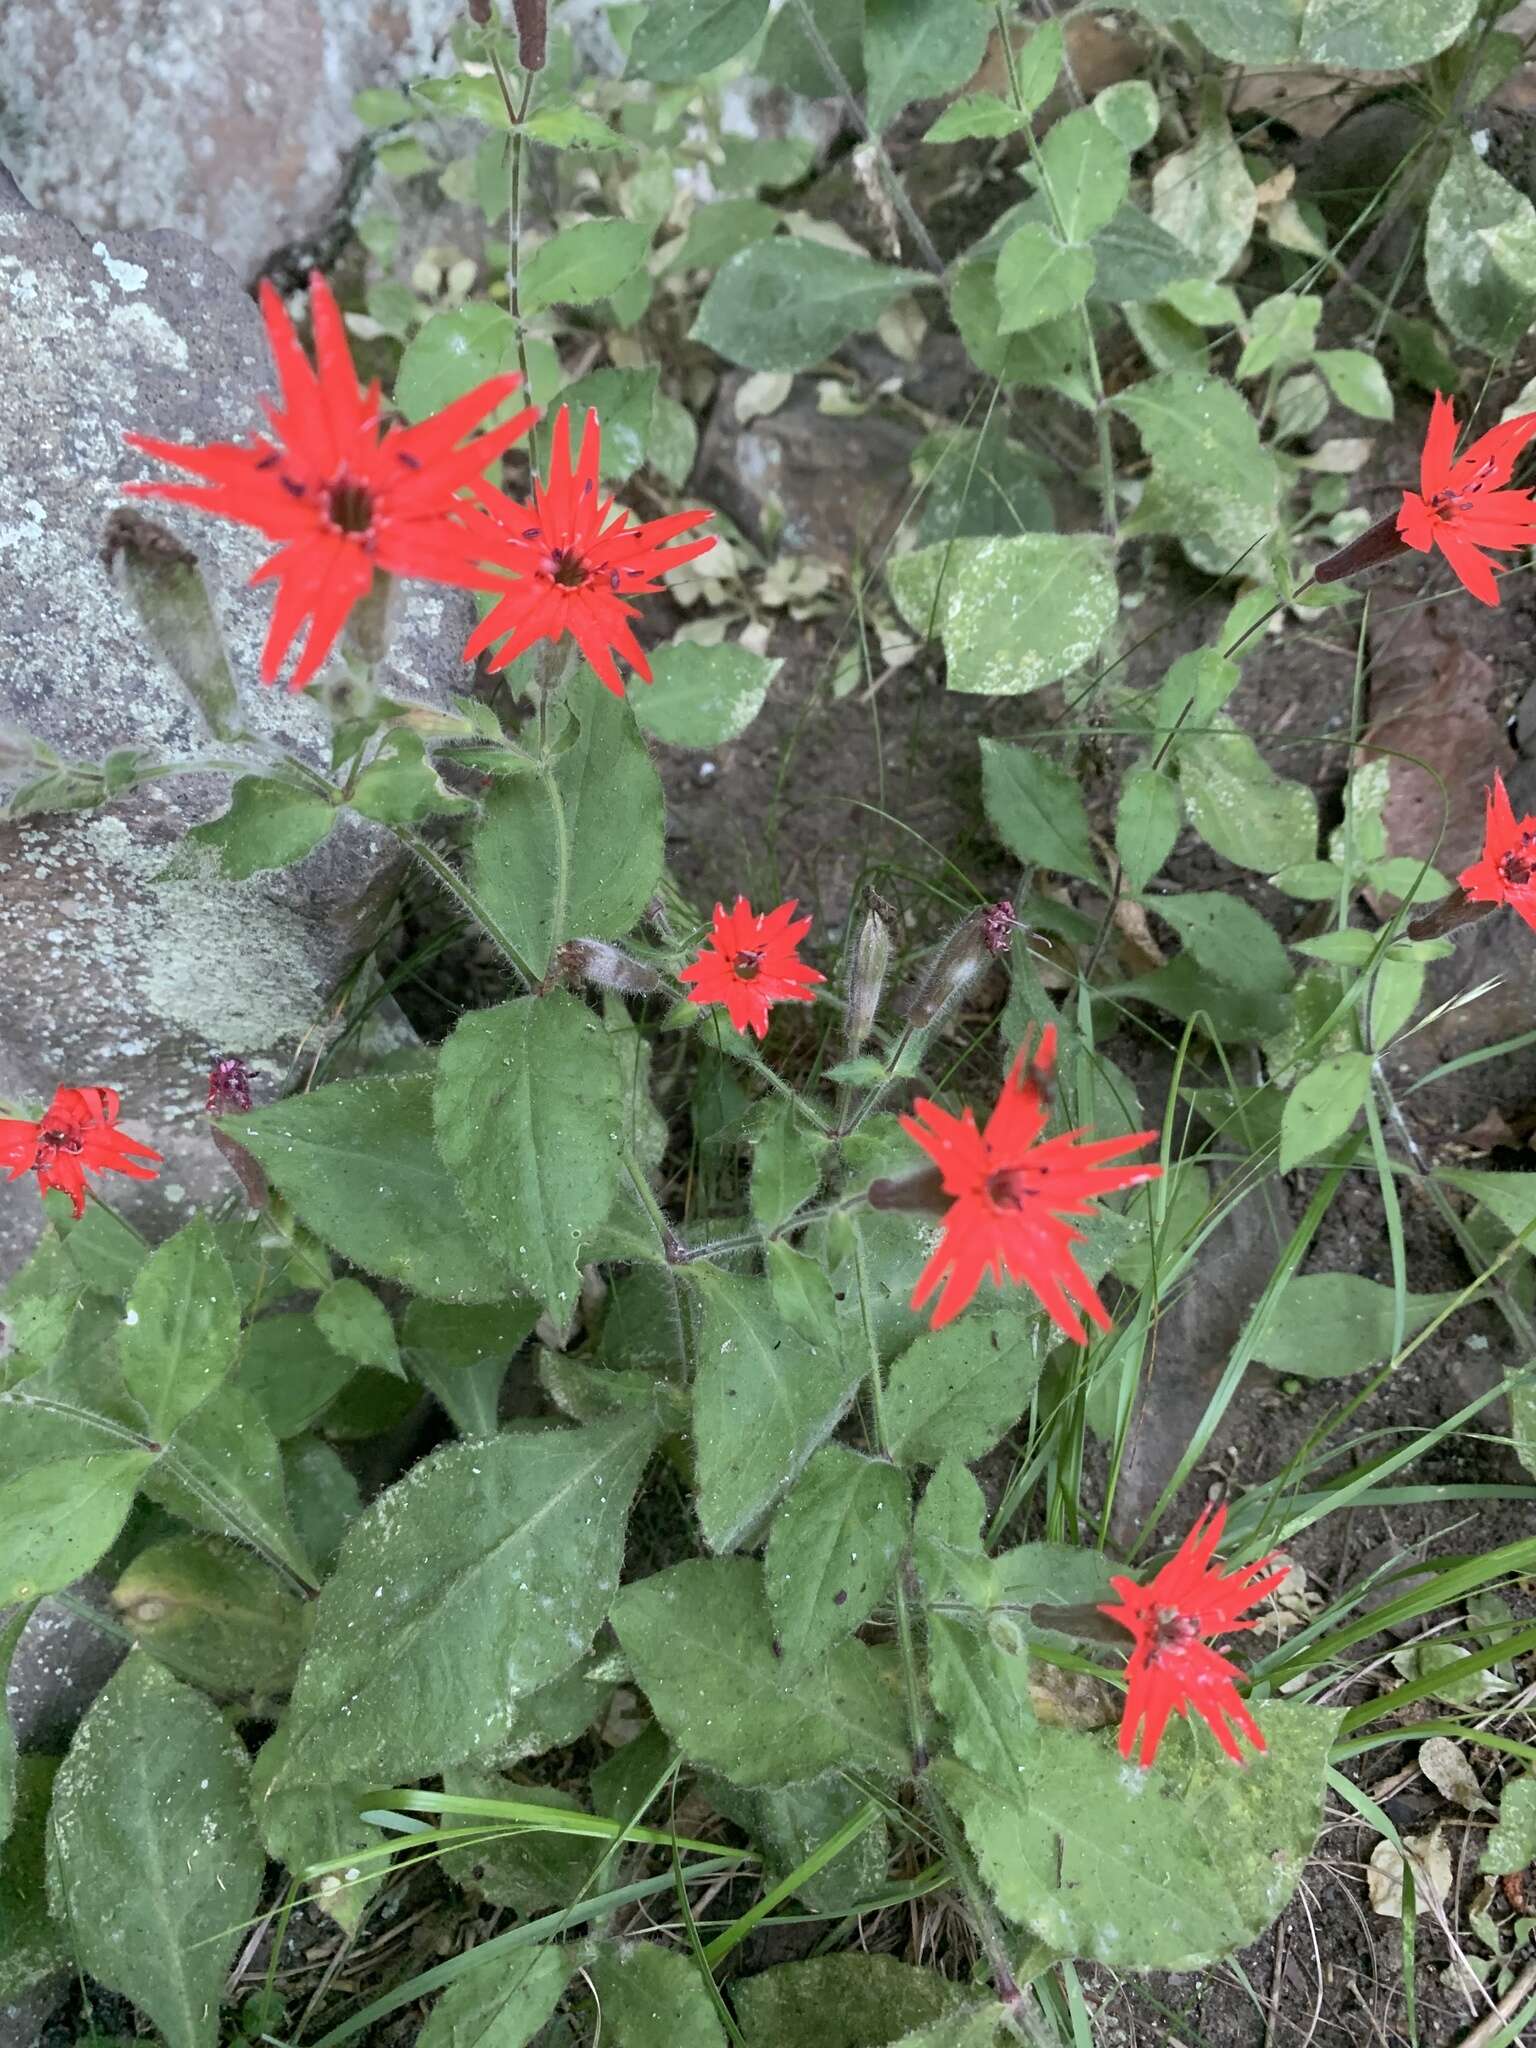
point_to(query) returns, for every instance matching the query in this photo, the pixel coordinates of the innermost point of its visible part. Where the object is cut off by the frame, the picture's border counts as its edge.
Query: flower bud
(1379, 543)
(867, 969)
(1449, 915)
(604, 966)
(532, 18)
(962, 959)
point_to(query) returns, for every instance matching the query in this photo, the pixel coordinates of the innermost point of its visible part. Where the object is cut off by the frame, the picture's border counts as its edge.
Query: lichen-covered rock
(233, 122)
(110, 976)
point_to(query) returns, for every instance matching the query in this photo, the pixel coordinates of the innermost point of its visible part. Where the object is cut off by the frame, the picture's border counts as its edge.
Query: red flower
(1171, 1669)
(75, 1135)
(571, 569)
(341, 493)
(1010, 1192)
(1507, 871)
(1463, 506)
(749, 963)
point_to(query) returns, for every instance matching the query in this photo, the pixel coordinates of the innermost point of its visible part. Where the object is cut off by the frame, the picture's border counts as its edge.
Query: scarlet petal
(1472, 570)
(1416, 523)
(1439, 447)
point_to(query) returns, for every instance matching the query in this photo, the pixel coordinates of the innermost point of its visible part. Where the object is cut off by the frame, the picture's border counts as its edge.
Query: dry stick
(1488, 2029)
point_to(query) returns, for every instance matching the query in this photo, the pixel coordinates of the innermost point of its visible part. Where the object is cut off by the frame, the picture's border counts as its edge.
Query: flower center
(1171, 1630)
(1012, 1187)
(1515, 869)
(60, 1141)
(349, 505)
(748, 965)
(567, 570)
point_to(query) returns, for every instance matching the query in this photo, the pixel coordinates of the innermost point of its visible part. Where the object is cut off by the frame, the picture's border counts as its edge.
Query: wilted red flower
(749, 963)
(1010, 1191)
(571, 569)
(75, 1135)
(229, 1087)
(1507, 871)
(343, 494)
(1171, 1669)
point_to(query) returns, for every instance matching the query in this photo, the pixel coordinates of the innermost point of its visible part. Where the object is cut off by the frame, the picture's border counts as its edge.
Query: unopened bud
(867, 969)
(604, 966)
(1379, 543)
(918, 1194)
(962, 958)
(532, 17)
(1450, 915)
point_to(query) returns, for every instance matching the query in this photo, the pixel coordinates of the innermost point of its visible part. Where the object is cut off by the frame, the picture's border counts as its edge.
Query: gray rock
(233, 122)
(110, 976)
(57, 1669)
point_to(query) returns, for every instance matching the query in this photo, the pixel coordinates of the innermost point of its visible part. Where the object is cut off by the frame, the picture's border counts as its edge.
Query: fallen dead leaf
(1447, 1769)
(1432, 1873)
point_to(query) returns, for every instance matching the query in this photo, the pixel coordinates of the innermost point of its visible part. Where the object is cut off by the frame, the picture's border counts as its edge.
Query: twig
(1488, 2028)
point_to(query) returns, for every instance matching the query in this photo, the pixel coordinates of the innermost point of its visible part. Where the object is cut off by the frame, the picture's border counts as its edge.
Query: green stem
(463, 895)
(1021, 2023)
(516, 114)
(671, 1245)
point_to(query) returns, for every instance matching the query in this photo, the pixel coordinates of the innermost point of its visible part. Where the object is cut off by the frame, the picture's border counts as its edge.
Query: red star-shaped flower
(341, 493)
(1171, 1668)
(1507, 871)
(1461, 505)
(563, 565)
(1010, 1191)
(749, 963)
(75, 1135)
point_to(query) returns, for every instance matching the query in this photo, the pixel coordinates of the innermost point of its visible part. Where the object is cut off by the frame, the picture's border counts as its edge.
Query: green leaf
(503, 2004)
(1014, 613)
(223, 1471)
(530, 1118)
(1510, 1197)
(1512, 1839)
(789, 1823)
(323, 1498)
(381, 107)
(460, 1547)
(654, 1997)
(268, 825)
(1039, 278)
(569, 126)
(789, 57)
(1228, 938)
(787, 304)
(105, 1252)
(1213, 483)
(291, 1372)
(978, 482)
(704, 696)
(529, 1871)
(678, 40)
(306, 1824)
(1051, 357)
(1322, 1106)
(1086, 172)
(1328, 1324)
(699, 1638)
(1135, 259)
(1037, 810)
(1241, 808)
(356, 1323)
(763, 1399)
(844, 2001)
(588, 869)
(1147, 823)
(1480, 255)
(1129, 110)
(403, 787)
(10, 1636)
(977, 115)
(1162, 1870)
(1353, 34)
(152, 1864)
(625, 403)
(453, 352)
(832, 1551)
(1356, 380)
(1394, 998)
(357, 1162)
(214, 1614)
(916, 50)
(1281, 333)
(956, 1391)
(32, 1945)
(582, 264)
(786, 1165)
(58, 1518)
(182, 1329)
(716, 231)
(1205, 198)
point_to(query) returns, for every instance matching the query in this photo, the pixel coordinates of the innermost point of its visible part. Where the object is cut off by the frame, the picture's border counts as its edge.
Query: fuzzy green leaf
(787, 304)
(918, 49)
(1322, 1106)
(678, 40)
(582, 264)
(1037, 810)
(957, 1390)
(182, 1329)
(832, 1551)
(268, 825)
(1014, 613)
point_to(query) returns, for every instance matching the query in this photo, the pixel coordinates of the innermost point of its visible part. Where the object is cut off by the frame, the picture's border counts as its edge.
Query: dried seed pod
(868, 966)
(605, 966)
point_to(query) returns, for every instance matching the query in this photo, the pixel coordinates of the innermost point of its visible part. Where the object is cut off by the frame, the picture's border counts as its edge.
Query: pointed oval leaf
(152, 1862)
(833, 1549)
(1322, 1106)
(957, 1390)
(786, 304)
(182, 1329)
(1014, 613)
